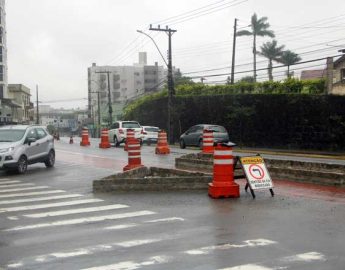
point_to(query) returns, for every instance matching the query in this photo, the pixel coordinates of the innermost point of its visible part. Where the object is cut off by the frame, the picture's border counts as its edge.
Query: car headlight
(5, 150)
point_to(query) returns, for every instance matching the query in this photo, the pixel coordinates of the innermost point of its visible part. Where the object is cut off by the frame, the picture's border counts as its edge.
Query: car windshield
(152, 129)
(11, 135)
(131, 125)
(217, 129)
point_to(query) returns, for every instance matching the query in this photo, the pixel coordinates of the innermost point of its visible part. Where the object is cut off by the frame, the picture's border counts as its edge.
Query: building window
(1, 49)
(1, 33)
(342, 74)
(1, 73)
(1, 91)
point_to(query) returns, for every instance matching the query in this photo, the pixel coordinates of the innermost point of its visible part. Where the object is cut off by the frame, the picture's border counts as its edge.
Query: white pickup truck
(118, 131)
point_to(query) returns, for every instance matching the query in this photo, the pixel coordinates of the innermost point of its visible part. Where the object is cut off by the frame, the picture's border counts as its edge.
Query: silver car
(21, 145)
(193, 136)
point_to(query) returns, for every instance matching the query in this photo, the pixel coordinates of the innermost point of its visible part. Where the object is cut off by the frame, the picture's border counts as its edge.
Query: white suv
(118, 131)
(21, 145)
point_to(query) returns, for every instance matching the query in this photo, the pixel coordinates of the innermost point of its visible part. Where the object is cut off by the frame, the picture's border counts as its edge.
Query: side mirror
(30, 140)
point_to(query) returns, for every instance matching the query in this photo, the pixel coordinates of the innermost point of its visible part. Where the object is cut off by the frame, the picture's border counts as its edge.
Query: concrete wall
(153, 179)
(312, 172)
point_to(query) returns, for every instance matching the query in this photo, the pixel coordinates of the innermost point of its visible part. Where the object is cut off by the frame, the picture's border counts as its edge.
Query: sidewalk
(296, 153)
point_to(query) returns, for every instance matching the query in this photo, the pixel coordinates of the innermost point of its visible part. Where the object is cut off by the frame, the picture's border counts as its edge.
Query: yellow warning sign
(256, 172)
(251, 160)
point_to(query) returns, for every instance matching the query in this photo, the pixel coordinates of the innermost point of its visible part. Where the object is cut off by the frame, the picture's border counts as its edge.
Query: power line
(280, 66)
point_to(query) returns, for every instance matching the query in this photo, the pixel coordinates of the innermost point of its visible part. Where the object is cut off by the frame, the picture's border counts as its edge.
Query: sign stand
(256, 174)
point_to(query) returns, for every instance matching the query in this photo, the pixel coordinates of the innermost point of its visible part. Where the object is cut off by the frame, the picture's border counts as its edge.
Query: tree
(247, 79)
(260, 27)
(180, 79)
(289, 58)
(271, 52)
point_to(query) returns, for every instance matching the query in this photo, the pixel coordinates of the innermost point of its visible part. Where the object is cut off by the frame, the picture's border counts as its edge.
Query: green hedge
(291, 121)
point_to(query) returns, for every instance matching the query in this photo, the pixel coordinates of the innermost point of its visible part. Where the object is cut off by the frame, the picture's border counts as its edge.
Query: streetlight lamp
(154, 42)
(170, 79)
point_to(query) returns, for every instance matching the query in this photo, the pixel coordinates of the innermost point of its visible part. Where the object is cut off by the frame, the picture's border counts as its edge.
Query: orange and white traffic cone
(207, 142)
(104, 139)
(71, 140)
(162, 147)
(129, 136)
(85, 137)
(223, 184)
(134, 154)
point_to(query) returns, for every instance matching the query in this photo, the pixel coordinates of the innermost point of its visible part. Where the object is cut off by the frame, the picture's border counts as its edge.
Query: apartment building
(20, 96)
(3, 52)
(124, 83)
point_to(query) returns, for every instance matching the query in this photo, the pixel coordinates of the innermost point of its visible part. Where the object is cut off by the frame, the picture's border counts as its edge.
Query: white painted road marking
(303, 257)
(248, 267)
(77, 211)
(22, 189)
(82, 220)
(247, 243)
(130, 225)
(130, 265)
(58, 197)
(16, 185)
(82, 251)
(9, 182)
(41, 206)
(31, 193)
(164, 219)
(122, 226)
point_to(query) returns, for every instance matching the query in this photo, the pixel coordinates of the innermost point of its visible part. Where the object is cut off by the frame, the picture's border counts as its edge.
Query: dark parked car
(193, 136)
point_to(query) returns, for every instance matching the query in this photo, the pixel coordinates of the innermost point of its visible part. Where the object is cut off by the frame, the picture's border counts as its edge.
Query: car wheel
(50, 160)
(200, 144)
(22, 165)
(116, 142)
(182, 144)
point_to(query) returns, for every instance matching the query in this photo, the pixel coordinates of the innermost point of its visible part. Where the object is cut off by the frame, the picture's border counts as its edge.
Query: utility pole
(37, 110)
(98, 112)
(233, 53)
(171, 89)
(109, 97)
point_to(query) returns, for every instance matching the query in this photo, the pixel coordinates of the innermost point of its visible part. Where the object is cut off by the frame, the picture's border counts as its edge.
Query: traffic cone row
(134, 154)
(223, 184)
(104, 139)
(162, 147)
(207, 142)
(85, 137)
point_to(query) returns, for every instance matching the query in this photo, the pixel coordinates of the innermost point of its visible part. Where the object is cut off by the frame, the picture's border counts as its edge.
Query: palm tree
(259, 28)
(271, 52)
(289, 58)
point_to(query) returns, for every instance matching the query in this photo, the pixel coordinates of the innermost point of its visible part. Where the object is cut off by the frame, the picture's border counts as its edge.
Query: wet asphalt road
(50, 219)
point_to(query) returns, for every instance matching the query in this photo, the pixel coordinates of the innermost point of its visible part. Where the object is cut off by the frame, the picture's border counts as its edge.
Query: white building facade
(125, 83)
(3, 52)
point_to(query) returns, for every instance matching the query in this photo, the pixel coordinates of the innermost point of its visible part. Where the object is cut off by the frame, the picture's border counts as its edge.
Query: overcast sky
(52, 42)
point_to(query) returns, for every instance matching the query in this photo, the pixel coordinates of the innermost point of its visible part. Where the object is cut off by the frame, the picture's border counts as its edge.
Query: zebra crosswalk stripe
(42, 206)
(58, 197)
(25, 194)
(82, 220)
(16, 185)
(22, 189)
(77, 211)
